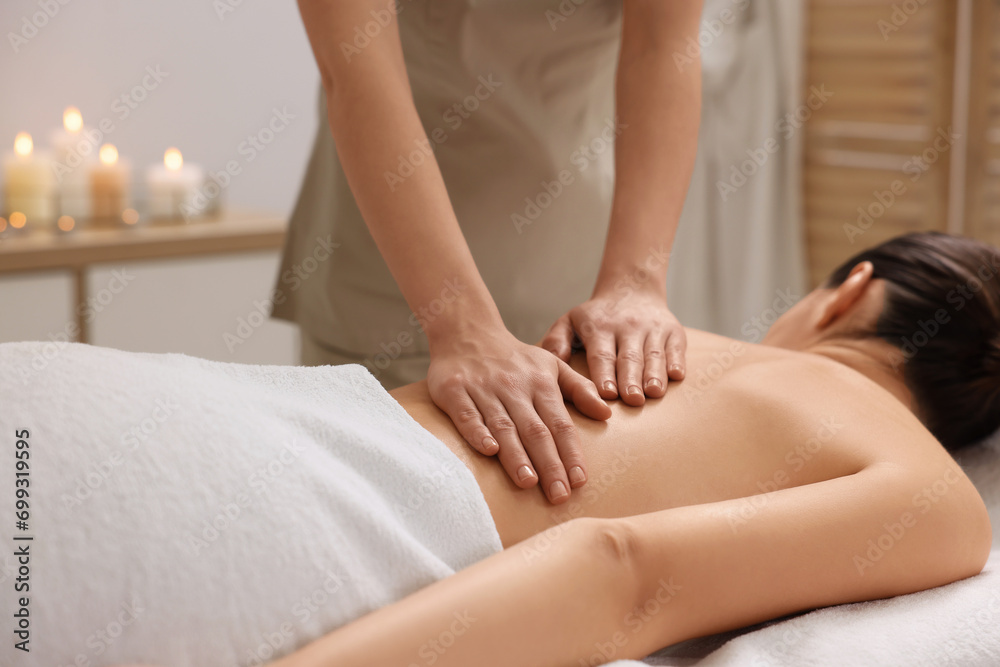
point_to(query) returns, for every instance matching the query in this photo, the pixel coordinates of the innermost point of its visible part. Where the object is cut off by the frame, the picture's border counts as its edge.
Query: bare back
(747, 420)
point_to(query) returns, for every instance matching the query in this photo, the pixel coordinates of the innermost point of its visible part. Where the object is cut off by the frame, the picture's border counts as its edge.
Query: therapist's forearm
(659, 105)
(414, 227)
(375, 124)
(505, 397)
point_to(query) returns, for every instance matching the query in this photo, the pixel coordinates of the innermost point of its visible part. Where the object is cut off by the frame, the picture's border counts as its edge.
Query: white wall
(224, 76)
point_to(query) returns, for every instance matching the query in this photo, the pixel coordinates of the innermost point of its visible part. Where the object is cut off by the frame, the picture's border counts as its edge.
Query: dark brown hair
(942, 310)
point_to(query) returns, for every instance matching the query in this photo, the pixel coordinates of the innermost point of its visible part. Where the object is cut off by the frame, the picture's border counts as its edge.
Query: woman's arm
(495, 388)
(594, 590)
(634, 344)
(889, 529)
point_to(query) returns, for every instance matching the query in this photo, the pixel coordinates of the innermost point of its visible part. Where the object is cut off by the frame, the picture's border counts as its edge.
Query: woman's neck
(878, 360)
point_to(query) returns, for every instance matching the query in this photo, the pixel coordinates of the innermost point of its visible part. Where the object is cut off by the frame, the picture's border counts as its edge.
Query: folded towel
(193, 513)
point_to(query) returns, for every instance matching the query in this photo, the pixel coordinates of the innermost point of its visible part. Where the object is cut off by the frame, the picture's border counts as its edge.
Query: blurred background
(828, 126)
(222, 69)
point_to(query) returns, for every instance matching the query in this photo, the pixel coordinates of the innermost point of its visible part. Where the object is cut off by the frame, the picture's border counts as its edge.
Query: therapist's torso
(517, 99)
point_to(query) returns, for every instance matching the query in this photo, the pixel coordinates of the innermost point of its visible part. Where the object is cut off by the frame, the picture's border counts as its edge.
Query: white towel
(193, 513)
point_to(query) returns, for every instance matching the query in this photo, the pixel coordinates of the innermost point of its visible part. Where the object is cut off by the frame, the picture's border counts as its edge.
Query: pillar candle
(74, 193)
(109, 184)
(172, 187)
(29, 186)
(72, 161)
(70, 140)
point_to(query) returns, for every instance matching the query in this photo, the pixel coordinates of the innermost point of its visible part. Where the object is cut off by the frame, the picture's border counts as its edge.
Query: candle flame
(23, 144)
(173, 159)
(108, 154)
(72, 120)
(66, 223)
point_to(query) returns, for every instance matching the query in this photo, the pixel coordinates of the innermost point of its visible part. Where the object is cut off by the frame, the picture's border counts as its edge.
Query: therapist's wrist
(634, 266)
(469, 314)
(467, 337)
(631, 278)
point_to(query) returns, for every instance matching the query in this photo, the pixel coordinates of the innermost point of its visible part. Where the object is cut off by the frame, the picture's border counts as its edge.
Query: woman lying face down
(904, 333)
(802, 472)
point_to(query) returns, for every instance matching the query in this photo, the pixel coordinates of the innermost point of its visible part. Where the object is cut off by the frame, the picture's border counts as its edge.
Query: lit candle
(29, 187)
(172, 188)
(69, 146)
(109, 184)
(72, 160)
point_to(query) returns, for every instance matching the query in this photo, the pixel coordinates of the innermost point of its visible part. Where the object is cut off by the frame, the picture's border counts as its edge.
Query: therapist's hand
(506, 398)
(634, 343)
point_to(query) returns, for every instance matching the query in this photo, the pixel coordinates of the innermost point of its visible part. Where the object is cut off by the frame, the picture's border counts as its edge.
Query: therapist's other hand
(506, 398)
(634, 343)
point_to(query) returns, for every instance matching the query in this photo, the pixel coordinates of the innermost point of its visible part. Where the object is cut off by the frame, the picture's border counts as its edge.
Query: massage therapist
(495, 172)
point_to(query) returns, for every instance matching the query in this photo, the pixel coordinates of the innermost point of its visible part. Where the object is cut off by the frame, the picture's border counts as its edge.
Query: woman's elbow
(979, 531)
(962, 537)
(614, 546)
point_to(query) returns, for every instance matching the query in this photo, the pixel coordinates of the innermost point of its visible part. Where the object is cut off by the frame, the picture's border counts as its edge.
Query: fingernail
(557, 490)
(654, 384)
(490, 445)
(576, 476)
(609, 386)
(633, 390)
(524, 473)
(677, 369)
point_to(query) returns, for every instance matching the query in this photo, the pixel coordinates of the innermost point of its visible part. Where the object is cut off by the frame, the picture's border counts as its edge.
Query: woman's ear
(841, 299)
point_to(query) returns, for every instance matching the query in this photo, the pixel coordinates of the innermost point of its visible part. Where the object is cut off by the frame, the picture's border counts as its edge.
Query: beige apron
(517, 99)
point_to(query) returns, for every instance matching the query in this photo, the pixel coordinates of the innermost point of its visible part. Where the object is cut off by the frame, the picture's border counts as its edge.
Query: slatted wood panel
(892, 96)
(983, 174)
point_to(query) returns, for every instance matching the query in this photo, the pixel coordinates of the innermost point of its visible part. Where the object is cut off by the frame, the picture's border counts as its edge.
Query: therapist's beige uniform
(517, 98)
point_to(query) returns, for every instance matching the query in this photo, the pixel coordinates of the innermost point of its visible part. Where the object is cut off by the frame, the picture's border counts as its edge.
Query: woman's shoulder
(862, 419)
